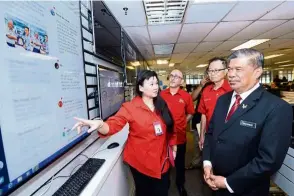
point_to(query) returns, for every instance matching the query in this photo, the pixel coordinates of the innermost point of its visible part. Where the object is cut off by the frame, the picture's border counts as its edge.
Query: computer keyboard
(78, 181)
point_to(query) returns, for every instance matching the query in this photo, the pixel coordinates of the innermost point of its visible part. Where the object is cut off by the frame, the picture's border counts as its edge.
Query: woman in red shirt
(150, 134)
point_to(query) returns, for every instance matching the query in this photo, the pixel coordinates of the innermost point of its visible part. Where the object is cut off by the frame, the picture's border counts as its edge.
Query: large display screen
(111, 91)
(42, 86)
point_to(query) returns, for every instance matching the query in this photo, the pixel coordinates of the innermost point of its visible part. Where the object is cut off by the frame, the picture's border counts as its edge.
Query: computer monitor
(42, 86)
(111, 84)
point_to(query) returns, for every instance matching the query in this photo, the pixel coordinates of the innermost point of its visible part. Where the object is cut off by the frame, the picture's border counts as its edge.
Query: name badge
(248, 124)
(157, 129)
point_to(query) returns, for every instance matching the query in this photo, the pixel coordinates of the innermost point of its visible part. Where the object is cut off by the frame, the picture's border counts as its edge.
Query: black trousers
(149, 186)
(180, 164)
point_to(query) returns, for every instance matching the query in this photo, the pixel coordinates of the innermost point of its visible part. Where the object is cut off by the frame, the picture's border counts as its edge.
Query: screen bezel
(70, 145)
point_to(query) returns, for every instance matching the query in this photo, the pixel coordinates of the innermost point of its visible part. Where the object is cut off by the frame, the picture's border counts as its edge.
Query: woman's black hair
(159, 104)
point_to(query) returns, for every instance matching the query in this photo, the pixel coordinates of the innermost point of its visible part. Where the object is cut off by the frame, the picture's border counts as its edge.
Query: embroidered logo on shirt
(181, 101)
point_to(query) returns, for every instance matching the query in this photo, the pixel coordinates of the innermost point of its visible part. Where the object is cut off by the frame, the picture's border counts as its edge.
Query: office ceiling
(211, 29)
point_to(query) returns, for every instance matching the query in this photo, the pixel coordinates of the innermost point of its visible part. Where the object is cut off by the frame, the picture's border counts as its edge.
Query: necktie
(234, 107)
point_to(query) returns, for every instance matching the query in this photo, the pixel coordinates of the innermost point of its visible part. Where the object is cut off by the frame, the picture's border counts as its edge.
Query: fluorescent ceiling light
(213, 1)
(288, 65)
(161, 71)
(162, 62)
(165, 11)
(163, 49)
(202, 65)
(273, 56)
(130, 67)
(136, 63)
(251, 43)
(282, 62)
(171, 65)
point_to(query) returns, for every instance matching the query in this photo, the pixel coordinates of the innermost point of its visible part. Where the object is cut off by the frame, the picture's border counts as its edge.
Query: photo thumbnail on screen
(22, 35)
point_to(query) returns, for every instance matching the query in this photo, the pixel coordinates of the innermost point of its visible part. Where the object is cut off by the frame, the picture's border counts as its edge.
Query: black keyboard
(79, 180)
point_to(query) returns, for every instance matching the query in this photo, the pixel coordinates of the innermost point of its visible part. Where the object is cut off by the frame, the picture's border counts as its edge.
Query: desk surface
(99, 148)
(110, 155)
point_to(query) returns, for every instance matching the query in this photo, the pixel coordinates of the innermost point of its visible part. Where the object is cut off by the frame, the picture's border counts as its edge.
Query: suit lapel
(243, 108)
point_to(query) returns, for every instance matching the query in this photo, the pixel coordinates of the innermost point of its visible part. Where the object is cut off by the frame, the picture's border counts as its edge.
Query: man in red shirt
(182, 109)
(217, 71)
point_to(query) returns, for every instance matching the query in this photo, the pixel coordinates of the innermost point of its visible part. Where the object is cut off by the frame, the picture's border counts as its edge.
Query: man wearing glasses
(217, 71)
(182, 109)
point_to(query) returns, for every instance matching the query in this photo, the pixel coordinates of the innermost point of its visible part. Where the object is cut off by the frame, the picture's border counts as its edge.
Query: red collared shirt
(180, 104)
(209, 97)
(144, 151)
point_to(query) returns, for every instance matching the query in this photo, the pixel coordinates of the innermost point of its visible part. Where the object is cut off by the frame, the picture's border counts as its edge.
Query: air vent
(165, 12)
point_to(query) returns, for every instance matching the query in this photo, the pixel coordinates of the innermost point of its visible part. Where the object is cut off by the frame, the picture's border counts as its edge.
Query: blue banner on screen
(111, 90)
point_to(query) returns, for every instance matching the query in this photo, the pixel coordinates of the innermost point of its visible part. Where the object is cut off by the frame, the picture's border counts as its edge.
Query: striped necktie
(234, 107)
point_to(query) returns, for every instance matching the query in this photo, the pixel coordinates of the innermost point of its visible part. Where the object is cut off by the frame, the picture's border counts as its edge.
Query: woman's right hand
(93, 124)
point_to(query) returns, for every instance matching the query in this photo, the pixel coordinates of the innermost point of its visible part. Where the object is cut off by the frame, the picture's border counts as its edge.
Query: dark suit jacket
(252, 145)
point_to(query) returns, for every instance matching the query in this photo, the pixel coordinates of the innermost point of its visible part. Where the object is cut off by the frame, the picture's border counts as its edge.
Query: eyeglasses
(215, 71)
(174, 77)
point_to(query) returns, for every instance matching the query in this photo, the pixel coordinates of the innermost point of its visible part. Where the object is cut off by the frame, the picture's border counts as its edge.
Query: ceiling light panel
(283, 62)
(251, 43)
(165, 11)
(202, 65)
(288, 65)
(273, 56)
(163, 49)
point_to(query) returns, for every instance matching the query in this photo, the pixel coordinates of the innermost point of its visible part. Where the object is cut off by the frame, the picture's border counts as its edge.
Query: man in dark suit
(249, 134)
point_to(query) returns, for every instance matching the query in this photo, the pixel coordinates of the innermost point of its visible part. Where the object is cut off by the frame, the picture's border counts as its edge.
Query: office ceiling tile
(256, 29)
(206, 46)
(178, 58)
(146, 51)
(250, 10)
(184, 47)
(287, 36)
(164, 34)
(139, 35)
(213, 12)
(278, 31)
(225, 30)
(195, 32)
(284, 11)
(227, 45)
(135, 14)
(196, 55)
(270, 44)
(226, 53)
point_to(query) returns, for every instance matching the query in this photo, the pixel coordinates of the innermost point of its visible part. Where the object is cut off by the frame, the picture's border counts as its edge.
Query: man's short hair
(223, 61)
(254, 57)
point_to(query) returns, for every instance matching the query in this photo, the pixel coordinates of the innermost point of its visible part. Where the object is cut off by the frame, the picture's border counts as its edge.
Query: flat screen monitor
(107, 33)
(111, 84)
(42, 84)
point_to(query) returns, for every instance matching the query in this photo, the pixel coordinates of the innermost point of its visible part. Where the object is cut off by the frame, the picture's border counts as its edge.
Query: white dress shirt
(233, 99)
